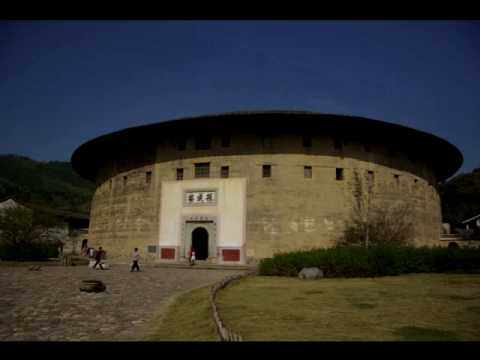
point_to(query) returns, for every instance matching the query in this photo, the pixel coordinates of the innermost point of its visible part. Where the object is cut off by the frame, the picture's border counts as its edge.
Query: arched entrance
(200, 243)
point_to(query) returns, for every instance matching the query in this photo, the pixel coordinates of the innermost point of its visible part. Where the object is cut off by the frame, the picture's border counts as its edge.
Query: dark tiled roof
(472, 218)
(445, 157)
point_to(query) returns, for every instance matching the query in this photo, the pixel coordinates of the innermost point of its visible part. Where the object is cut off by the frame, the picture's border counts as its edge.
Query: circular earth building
(238, 187)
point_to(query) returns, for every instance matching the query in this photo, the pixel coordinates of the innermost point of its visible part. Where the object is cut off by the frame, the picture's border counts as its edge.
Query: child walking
(192, 256)
(135, 260)
(99, 256)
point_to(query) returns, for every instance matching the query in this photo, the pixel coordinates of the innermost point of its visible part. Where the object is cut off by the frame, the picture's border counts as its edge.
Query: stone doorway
(200, 243)
(208, 246)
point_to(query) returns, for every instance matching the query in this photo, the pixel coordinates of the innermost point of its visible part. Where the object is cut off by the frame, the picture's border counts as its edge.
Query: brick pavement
(47, 305)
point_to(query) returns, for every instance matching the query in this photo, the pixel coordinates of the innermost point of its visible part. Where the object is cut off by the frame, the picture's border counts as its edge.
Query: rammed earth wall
(284, 212)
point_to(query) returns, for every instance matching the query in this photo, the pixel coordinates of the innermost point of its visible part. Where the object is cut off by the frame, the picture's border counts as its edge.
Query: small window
(224, 170)
(307, 141)
(307, 172)
(338, 144)
(267, 171)
(148, 177)
(225, 140)
(203, 142)
(152, 249)
(370, 176)
(181, 144)
(339, 173)
(397, 179)
(202, 170)
(415, 181)
(124, 181)
(180, 174)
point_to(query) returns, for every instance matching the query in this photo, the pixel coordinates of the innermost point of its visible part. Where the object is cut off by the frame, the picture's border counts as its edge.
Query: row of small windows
(204, 142)
(148, 179)
(202, 170)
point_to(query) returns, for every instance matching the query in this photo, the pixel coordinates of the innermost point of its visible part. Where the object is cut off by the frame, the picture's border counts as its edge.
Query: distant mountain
(51, 185)
(461, 197)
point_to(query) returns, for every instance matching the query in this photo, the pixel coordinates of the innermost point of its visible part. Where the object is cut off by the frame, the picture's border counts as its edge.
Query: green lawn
(409, 307)
(187, 318)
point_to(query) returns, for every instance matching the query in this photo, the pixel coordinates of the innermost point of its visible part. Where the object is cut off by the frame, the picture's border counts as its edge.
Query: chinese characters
(200, 197)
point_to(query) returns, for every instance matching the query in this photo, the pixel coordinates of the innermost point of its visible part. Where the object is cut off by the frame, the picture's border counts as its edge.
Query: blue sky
(65, 82)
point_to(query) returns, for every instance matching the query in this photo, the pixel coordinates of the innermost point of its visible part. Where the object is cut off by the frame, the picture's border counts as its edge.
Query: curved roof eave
(446, 158)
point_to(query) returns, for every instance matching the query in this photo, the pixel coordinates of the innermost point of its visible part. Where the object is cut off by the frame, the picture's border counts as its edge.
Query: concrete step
(198, 265)
(450, 237)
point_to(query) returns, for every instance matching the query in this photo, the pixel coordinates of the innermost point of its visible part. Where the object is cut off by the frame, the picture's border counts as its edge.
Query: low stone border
(224, 333)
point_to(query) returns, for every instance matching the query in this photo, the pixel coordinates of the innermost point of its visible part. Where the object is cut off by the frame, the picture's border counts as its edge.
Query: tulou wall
(284, 212)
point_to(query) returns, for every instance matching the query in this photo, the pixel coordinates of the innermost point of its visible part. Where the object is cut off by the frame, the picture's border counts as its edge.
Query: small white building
(9, 204)
(72, 231)
(472, 226)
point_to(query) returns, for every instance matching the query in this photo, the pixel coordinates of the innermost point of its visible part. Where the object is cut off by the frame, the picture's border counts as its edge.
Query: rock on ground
(310, 273)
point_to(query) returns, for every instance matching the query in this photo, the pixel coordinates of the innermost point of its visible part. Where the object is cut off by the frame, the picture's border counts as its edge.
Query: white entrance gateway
(206, 213)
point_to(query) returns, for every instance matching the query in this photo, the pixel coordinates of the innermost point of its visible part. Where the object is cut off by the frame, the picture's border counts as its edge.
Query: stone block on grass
(310, 273)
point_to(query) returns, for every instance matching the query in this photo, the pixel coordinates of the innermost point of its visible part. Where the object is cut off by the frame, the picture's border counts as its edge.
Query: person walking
(98, 258)
(84, 249)
(60, 248)
(192, 256)
(135, 260)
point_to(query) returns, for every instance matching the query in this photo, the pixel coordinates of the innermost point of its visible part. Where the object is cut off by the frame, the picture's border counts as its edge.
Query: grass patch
(395, 308)
(188, 318)
(313, 292)
(413, 333)
(364, 305)
(461, 297)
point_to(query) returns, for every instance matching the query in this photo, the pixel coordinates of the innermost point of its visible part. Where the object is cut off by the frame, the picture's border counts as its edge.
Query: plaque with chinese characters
(200, 198)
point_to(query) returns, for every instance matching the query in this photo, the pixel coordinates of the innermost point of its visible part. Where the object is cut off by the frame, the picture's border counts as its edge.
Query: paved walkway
(47, 305)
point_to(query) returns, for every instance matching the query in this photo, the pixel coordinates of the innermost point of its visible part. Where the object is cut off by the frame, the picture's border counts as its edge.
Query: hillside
(461, 197)
(51, 185)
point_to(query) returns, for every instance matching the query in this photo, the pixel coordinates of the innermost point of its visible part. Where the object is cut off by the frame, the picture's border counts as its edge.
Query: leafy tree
(20, 226)
(17, 226)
